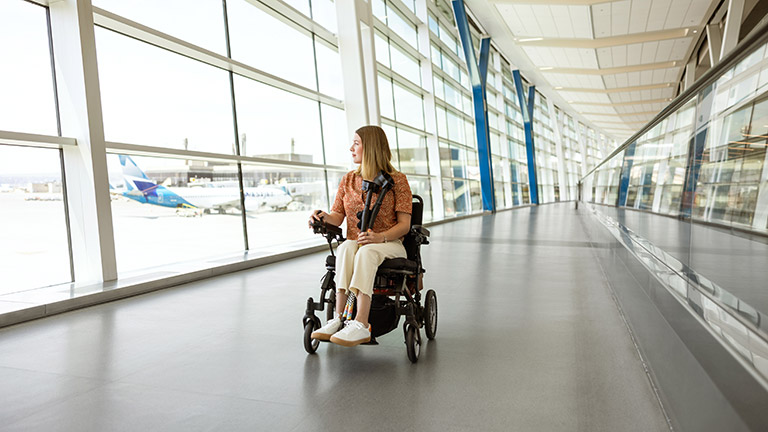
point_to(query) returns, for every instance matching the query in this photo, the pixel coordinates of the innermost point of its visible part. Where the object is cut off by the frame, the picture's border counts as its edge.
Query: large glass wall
(401, 93)
(455, 120)
(705, 160)
(34, 243)
(148, 101)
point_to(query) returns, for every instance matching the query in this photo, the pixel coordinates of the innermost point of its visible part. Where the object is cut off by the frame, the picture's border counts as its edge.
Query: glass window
(173, 210)
(26, 93)
(329, 70)
(249, 25)
(412, 149)
(402, 27)
(381, 46)
(277, 201)
(147, 97)
(35, 251)
(409, 107)
(276, 124)
(386, 98)
(405, 65)
(335, 137)
(324, 13)
(203, 23)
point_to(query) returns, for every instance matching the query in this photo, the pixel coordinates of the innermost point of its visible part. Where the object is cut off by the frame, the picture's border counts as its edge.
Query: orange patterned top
(350, 199)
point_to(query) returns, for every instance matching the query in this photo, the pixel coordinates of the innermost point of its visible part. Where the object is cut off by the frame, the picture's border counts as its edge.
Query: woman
(358, 258)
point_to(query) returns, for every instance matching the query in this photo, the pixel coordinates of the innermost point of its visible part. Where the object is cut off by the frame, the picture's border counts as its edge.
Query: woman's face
(357, 149)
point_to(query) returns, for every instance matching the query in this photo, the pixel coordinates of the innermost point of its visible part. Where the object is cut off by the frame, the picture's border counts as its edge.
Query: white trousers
(356, 265)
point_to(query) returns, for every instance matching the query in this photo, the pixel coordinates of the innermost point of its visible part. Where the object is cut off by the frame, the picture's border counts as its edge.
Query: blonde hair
(376, 153)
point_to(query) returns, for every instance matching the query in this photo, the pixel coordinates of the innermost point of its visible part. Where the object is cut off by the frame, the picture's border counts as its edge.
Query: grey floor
(529, 339)
(737, 264)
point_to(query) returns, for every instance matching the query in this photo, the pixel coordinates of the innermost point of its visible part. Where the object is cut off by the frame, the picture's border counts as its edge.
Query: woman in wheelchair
(359, 257)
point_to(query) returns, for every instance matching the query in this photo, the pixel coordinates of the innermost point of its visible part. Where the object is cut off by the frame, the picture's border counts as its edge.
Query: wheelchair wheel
(430, 314)
(330, 313)
(413, 343)
(310, 345)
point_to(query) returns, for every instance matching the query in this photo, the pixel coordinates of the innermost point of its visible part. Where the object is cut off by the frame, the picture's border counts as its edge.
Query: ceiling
(615, 63)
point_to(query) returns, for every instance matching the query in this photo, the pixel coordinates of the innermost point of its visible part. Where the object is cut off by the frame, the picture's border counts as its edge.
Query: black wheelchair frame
(400, 278)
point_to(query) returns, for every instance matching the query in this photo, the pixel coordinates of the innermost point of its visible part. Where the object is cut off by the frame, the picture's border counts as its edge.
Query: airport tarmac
(34, 250)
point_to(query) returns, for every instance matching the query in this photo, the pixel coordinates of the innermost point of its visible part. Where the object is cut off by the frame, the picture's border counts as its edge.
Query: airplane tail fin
(130, 168)
(134, 178)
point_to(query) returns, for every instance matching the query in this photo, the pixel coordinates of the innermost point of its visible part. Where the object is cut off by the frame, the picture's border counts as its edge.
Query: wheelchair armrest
(420, 234)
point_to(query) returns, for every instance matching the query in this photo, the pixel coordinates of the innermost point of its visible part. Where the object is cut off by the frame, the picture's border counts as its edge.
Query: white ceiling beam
(623, 103)
(606, 71)
(608, 41)
(616, 89)
(551, 2)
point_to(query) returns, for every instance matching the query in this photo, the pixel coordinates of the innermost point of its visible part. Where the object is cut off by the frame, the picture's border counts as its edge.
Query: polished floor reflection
(529, 338)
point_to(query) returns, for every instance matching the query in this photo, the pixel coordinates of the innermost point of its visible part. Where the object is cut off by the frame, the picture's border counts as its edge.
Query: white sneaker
(354, 333)
(325, 332)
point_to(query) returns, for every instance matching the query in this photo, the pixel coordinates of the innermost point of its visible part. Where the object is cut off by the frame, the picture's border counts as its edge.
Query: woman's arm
(334, 218)
(400, 229)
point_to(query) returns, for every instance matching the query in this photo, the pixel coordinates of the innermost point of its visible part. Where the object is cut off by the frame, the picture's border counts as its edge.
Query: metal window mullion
(400, 80)
(382, 28)
(143, 150)
(443, 104)
(287, 14)
(405, 12)
(404, 126)
(244, 216)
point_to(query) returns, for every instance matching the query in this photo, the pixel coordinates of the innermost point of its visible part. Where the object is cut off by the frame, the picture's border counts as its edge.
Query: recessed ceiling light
(558, 88)
(530, 39)
(695, 31)
(546, 68)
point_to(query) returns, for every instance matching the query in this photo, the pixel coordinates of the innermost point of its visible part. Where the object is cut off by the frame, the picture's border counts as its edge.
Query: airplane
(219, 196)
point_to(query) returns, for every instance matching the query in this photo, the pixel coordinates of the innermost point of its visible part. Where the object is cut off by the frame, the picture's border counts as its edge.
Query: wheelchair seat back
(409, 242)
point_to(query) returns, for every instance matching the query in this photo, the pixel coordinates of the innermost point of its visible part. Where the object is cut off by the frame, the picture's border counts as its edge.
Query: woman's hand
(317, 215)
(369, 237)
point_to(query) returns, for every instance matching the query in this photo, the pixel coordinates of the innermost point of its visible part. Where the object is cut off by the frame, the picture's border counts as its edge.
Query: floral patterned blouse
(350, 199)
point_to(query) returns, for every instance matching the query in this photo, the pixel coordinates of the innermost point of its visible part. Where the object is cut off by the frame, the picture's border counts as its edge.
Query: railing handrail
(757, 37)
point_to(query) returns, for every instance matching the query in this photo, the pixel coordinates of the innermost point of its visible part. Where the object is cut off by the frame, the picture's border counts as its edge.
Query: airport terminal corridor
(529, 338)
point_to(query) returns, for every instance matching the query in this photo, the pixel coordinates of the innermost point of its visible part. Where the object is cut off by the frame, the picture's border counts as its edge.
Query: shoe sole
(321, 336)
(347, 343)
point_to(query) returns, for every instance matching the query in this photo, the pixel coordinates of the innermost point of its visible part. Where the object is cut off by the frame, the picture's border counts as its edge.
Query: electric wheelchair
(396, 290)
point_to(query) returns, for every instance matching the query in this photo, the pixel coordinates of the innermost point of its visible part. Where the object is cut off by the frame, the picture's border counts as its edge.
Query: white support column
(690, 73)
(583, 147)
(714, 42)
(90, 211)
(358, 63)
(504, 144)
(732, 26)
(661, 176)
(430, 109)
(555, 122)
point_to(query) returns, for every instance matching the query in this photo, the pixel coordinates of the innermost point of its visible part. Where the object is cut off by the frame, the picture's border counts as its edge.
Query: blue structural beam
(530, 149)
(477, 76)
(626, 168)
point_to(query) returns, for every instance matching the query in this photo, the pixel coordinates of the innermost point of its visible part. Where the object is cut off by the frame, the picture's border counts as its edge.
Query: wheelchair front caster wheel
(413, 343)
(310, 344)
